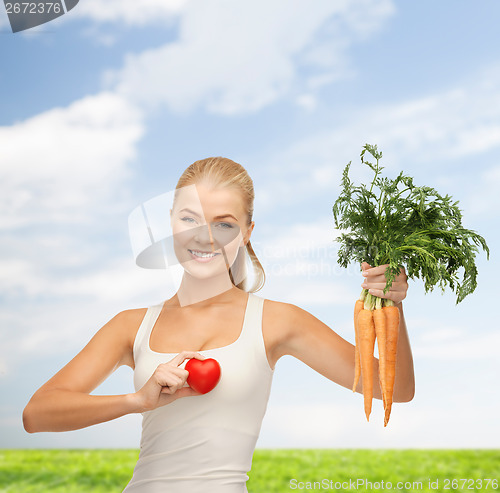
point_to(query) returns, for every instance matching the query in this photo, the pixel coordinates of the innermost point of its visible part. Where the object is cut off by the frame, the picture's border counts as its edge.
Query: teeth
(202, 254)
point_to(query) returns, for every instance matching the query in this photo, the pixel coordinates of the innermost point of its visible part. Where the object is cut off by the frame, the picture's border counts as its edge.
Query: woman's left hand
(375, 282)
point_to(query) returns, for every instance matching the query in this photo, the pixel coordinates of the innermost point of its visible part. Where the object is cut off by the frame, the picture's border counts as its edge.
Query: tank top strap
(252, 331)
(147, 324)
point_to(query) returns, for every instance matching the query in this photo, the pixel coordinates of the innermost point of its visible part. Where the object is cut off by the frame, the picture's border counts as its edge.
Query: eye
(225, 225)
(188, 219)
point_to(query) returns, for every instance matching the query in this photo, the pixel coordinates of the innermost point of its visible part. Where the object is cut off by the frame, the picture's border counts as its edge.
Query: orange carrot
(381, 335)
(392, 324)
(366, 330)
(357, 364)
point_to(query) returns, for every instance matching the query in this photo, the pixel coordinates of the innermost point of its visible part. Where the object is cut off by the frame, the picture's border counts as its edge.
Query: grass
(273, 471)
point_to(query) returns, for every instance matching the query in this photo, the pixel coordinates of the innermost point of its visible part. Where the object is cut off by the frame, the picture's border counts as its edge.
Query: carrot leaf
(395, 222)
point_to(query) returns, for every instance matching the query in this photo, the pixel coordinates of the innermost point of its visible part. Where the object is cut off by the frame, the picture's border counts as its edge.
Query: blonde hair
(222, 172)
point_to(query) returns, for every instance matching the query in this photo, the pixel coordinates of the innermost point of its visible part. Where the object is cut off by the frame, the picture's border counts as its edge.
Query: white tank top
(205, 443)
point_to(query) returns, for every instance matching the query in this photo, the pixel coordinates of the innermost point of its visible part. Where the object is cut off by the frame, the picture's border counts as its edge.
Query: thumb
(182, 392)
(365, 265)
(186, 392)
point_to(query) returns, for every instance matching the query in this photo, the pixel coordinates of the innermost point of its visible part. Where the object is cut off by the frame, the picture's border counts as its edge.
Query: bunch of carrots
(403, 225)
(375, 321)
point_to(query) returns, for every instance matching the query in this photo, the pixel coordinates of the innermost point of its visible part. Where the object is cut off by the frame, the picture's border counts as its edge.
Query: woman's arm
(300, 334)
(63, 403)
(404, 384)
(65, 410)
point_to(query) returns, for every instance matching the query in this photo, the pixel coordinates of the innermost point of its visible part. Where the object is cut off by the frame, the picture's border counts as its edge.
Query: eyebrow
(216, 217)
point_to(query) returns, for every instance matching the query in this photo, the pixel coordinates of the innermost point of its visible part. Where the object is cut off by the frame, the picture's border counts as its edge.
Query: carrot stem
(369, 301)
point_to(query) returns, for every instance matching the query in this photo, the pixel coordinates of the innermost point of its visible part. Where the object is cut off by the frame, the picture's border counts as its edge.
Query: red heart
(204, 375)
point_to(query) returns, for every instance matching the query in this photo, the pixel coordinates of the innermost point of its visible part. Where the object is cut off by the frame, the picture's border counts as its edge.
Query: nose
(204, 235)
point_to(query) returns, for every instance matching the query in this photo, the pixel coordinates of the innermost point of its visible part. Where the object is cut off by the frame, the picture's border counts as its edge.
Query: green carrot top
(406, 226)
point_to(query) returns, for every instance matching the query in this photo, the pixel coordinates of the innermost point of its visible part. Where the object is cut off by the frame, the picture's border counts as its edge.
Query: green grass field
(273, 471)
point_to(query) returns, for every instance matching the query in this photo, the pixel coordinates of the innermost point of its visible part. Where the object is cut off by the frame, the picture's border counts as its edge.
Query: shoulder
(121, 331)
(127, 322)
(284, 314)
(281, 324)
(279, 309)
(288, 328)
(129, 317)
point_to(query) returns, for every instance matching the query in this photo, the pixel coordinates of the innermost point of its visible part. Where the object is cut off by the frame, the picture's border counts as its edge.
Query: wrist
(134, 403)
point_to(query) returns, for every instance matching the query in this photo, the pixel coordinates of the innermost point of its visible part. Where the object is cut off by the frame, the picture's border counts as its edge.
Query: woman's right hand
(166, 384)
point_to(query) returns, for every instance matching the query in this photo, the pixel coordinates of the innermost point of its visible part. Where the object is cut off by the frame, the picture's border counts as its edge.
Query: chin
(201, 271)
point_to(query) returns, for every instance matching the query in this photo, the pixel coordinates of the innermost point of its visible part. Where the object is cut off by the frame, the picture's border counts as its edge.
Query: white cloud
(118, 281)
(299, 240)
(320, 293)
(62, 173)
(443, 339)
(434, 132)
(304, 254)
(307, 101)
(309, 423)
(299, 249)
(325, 417)
(129, 12)
(60, 164)
(3, 368)
(448, 346)
(442, 334)
(61, 313)
(411, 425)
(482, 200)
(220, 63)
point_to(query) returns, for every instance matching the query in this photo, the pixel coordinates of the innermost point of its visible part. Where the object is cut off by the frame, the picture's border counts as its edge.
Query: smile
(200, 254)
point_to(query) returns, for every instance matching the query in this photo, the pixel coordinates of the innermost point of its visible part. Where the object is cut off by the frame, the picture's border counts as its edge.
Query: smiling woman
(211, 225)
(224, 190)
(205, 443)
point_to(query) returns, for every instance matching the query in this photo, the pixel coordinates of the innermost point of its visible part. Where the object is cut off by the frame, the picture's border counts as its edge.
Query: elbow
(406, 396)
(31, 423)
(28, 420)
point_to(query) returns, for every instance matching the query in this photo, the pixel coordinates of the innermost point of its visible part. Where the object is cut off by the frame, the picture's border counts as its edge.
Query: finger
(368, 283)
(184, 355)
(181, 392)
(178, 371)
(171, 388)
(380, 271)
(376, 271)
(167, 390)
(186, 392)
(379, 293)
(172, 380)
(393, 295)
(395, 289)
(199, 356)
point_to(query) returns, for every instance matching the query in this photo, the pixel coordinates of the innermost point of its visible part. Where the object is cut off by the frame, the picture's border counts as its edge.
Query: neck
(193, 290)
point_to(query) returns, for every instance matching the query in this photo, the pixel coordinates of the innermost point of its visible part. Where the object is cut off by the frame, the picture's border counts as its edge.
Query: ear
(248, 233)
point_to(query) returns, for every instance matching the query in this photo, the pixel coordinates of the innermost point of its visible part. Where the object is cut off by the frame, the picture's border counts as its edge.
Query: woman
(205, 443)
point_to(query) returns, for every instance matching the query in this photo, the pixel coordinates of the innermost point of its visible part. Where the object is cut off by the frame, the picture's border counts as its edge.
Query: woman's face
(208, 226)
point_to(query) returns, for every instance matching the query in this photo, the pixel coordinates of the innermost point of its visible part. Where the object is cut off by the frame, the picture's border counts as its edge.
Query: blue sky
(104, 108)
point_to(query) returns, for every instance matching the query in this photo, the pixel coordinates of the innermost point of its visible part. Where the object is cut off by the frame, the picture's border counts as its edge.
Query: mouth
(202, 256)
